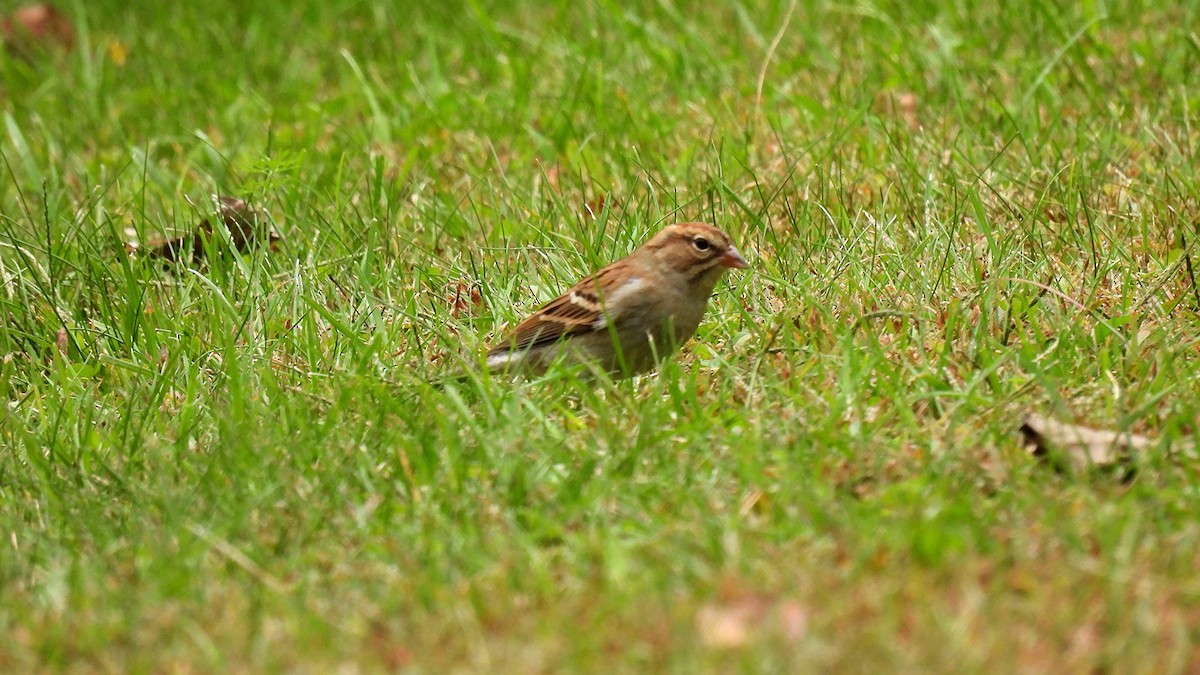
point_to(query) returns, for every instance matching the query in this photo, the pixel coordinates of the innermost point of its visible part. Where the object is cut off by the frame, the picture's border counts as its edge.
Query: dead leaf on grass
(903, 104)
(36, 26)
(737, 622)
(592, 208)
(247, 229)
(466, 296)
(1080, 448)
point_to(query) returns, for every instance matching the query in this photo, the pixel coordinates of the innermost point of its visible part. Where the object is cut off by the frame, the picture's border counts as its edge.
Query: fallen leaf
(386, 643)
(465, 297)
(36, 26)
(247, 228)
(739, 621)
(1079, 447)
(593, 208)
(902, 104)
(552, 177)
(749, 502)
(907, 102)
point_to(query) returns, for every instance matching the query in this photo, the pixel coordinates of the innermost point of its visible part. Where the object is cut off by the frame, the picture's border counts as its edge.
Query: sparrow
(630, 315)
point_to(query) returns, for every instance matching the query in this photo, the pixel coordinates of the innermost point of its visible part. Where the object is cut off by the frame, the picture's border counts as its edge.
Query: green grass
(954, 217)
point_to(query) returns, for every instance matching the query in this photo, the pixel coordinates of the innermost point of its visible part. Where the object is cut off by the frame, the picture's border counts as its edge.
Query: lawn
(261, 460)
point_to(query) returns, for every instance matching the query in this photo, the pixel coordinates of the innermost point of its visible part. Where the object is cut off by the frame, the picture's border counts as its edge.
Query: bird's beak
(731, 258)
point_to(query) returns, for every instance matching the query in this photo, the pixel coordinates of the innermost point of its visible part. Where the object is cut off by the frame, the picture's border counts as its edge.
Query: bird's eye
(701, 244)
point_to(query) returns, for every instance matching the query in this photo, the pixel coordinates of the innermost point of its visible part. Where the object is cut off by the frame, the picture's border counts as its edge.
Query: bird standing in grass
(631, 314)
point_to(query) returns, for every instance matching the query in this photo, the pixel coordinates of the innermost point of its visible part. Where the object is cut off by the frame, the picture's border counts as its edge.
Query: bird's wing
(582, 309)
